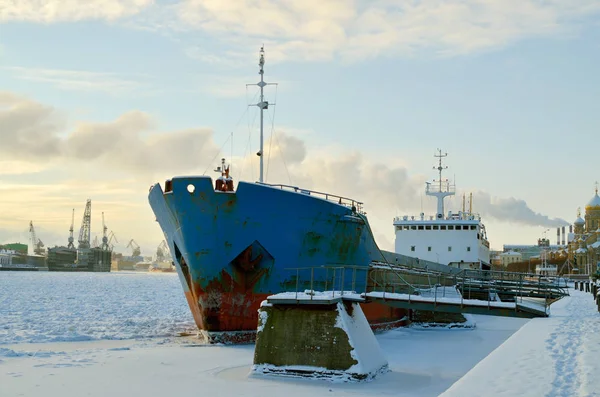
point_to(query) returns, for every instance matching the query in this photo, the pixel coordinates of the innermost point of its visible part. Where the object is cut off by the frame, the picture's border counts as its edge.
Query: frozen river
(56, 306)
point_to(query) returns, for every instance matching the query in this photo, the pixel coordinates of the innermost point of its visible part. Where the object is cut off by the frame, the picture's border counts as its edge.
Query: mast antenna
(262, 105)
(441, 188)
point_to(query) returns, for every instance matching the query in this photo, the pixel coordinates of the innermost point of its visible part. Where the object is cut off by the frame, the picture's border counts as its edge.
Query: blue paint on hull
(231, 249)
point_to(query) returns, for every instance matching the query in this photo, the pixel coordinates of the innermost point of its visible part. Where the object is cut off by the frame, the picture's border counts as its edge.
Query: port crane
(105, 239)
(135, 248)
(112, 236)
(162, 252)
(86, 225)
(36, 244)
(71, 238)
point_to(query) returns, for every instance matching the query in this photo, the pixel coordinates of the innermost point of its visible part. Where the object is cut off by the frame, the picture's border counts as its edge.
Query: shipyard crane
(135, 248)
(105, 245)
(36, 243)
(86, 225)
(162, 252)
(71, 239)
(112, 236)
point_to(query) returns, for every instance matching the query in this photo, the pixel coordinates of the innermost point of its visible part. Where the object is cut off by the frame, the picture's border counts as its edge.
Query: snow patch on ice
(76, 307)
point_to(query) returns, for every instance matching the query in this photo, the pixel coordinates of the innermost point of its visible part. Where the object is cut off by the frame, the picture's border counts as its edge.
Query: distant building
(584, 242)
(6, 257)
(17, 247)
(510, 257)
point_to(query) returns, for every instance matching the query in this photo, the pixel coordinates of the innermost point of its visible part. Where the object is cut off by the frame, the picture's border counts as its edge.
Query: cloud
(36, 133)
(77, 80)
(49, 11)
(313, 30)
(513, 210)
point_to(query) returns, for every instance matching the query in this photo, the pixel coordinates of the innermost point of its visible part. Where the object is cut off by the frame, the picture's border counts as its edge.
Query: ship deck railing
(345, 201)
(471, 291)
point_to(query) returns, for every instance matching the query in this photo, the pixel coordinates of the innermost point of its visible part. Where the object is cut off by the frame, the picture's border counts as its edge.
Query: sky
(103, 98)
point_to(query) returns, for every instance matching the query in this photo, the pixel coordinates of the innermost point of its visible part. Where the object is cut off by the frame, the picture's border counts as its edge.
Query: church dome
(579, 221)
(594, 202)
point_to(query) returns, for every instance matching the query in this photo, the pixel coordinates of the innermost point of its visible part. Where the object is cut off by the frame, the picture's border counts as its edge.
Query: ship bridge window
(429, 249)
(413, 228)
(406, 227)
(412, 247)
(443, 227)
(428, 227)
(450, 227)
(398, 228)
(465, 227)
(449, 249)
(435, 227)
(468, 249)
(421, 227)
(473, 227)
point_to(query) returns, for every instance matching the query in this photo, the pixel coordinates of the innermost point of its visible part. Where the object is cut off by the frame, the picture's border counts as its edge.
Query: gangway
(477, 292)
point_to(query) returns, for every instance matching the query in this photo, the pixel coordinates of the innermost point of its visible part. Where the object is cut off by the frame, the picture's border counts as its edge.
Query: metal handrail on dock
(466, 290)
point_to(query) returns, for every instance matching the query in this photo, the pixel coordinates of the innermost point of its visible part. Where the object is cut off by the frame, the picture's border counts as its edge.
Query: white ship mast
(262, 105)
(441, 187)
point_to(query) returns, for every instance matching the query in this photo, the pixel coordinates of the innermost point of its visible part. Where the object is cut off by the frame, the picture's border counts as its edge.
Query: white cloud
(34, 132)
(353, 30)
(314, 30)
(78, 80)
(49, 11)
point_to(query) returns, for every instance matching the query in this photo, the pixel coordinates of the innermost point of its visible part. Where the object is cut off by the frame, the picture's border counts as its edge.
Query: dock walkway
(555, 356)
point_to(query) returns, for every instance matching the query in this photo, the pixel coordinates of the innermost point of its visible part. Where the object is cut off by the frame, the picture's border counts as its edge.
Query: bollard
(594, 290)
(598, 302)
(576, 284)
(581, 286)
(587, 286)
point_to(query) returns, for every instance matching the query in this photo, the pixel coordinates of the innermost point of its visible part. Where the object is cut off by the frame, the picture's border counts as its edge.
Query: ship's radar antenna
(262, 105)
(441, 187)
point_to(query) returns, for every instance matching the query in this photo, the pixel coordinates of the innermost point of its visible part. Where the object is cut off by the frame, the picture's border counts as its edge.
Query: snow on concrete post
(316, 340)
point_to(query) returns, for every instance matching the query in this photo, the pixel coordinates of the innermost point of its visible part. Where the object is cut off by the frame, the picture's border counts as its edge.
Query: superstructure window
(429, 249)
(398, 228)
(412, 248)
(435, 227)
(450, 227)
(406, 227)
(413, 228)
(468, 249)
(449, 249)
(473, 227)
(428, 227)
(420, 227)
(465, 227)
(443, 227)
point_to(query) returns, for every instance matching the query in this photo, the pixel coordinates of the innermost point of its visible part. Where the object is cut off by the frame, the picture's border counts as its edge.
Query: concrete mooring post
(576, 284)
(587, 286)
(318, 340)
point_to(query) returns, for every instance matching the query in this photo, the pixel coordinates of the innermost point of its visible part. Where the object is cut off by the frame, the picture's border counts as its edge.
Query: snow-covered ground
(543, 357)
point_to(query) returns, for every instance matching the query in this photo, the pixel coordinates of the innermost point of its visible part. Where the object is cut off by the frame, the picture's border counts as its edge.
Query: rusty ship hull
(232, 249)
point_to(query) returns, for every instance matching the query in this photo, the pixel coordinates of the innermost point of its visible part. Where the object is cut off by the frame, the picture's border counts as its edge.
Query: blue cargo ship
(232, 247)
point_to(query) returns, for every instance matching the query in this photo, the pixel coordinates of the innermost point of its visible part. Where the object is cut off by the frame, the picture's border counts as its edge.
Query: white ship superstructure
(456, 239)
